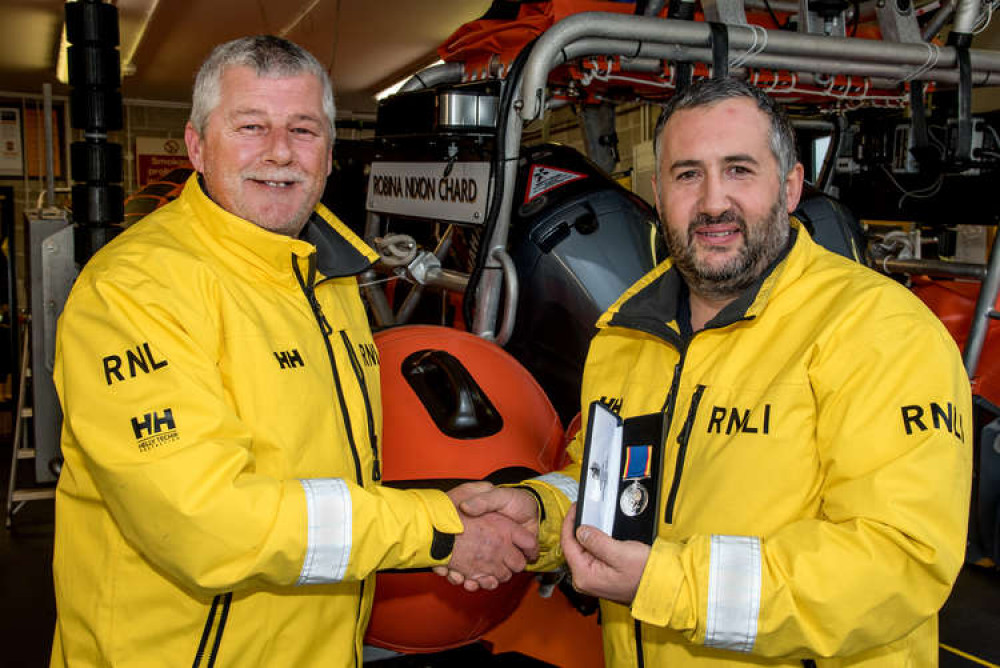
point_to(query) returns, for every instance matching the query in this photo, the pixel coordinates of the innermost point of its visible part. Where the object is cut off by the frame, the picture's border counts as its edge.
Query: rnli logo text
(922, 418)
(289, 359)
(139, 358)
(740, 421)
(369, 353)
(154, 429)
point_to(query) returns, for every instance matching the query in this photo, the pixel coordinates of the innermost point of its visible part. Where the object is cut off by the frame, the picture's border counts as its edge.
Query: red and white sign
(155, 157)
(542, 179)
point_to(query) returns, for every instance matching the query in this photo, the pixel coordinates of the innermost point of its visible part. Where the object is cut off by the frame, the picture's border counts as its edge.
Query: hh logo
(139, 358)
(154, 429)
(941, 418)
(369, 354)
(289, 359)
(739, 420)
(614, 404)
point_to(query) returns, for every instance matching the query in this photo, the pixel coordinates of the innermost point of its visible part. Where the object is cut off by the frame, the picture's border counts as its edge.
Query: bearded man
(814, 486)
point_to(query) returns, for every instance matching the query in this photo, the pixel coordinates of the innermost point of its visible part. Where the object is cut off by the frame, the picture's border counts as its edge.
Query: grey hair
(709, 92)
(268, 56)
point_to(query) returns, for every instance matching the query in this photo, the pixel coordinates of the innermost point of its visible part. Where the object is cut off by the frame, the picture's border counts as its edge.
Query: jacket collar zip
(308, 285)
(651, 306)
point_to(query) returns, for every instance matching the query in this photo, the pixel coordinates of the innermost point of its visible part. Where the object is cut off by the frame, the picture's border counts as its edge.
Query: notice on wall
(455, 191)
(11, 151)
(155, 157)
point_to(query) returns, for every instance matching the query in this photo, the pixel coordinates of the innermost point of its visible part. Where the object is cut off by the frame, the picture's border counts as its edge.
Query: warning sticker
(542, 179)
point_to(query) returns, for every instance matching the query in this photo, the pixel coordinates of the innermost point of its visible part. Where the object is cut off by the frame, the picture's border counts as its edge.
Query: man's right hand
(501, 527)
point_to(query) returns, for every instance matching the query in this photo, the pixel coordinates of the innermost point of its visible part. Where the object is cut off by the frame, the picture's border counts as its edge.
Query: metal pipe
(981, 316)
(938, 268)
(446, 279)
(653, 7)
(882, 76)
(937, 21)
(786, 6)
(813, 124)
(409, 304)
(683, 54)
(824, 179)
(510, 303)
(434, 277)
(966, 16)
(488, 293)
(645, 33)
(381, 311)
(50, 177)
(432, 274)
(434, 75)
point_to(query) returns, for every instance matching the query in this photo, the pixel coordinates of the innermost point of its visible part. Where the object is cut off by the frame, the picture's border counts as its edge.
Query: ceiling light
(62, 63)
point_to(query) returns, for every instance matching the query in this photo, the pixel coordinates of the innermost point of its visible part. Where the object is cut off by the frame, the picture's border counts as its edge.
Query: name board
(430, 190)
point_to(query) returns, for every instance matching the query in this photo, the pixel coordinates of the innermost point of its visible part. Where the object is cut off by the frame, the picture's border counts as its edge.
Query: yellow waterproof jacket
(219, 502)
(815, 481)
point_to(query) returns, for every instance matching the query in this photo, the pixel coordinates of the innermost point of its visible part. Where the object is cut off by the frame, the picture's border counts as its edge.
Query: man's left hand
(602, 566)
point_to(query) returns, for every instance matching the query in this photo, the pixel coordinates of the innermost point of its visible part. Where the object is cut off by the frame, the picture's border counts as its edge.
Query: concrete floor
(970, 620)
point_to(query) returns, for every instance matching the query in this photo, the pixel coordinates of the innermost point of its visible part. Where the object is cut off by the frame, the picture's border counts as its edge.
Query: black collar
(660, 302)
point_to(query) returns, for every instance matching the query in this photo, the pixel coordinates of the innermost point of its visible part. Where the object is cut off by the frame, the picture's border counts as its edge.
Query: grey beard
(762, 245)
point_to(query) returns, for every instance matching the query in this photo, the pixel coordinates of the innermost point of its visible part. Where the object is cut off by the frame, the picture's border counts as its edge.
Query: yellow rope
(974, 659)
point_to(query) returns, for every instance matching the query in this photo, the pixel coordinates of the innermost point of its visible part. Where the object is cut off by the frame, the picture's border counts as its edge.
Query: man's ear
(793, 186)
(195, 147)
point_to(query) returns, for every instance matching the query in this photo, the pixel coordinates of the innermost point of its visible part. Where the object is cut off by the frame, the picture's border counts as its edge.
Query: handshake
(500, 538)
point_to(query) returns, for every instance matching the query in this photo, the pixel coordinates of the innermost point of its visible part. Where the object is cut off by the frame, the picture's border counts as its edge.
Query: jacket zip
(359, 372)
(309, 289)
(326, 331)
(668, 411)
(682, 438)
(640, 660)
(226, 599)
(682, 443)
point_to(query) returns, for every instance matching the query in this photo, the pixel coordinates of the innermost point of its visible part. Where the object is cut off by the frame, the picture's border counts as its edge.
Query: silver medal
(634, 499)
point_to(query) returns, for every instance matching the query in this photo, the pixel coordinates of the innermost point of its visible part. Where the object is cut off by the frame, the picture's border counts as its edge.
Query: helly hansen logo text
(369, 354)
(289, 359)
(937, 416)
(154, 429)
(740, 420)
(614, 404)
(137, 359)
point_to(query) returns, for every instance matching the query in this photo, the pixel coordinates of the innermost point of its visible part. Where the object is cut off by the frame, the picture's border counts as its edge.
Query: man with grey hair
(811, 499)
(220, 500)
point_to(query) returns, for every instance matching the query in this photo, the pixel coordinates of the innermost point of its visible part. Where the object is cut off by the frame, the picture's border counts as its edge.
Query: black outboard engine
(578, 240)
(831, 224)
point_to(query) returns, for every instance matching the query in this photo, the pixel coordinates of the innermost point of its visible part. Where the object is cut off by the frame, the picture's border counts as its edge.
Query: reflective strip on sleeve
(733, 593)
(328, 502)
(565, 484)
